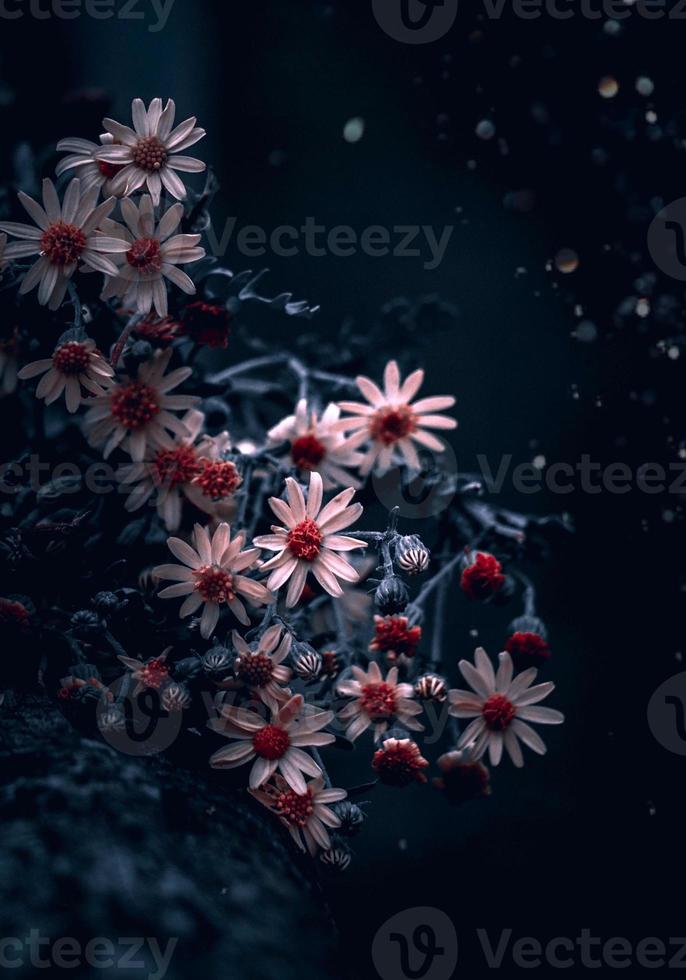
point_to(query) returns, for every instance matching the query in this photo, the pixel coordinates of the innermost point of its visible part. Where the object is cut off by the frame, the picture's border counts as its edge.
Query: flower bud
(337, 858)
(175, 697)
(307, 663)
(431, 687)
(392, 596)
(351, 816)
(412, 555)
(111, 720)
(217, 663)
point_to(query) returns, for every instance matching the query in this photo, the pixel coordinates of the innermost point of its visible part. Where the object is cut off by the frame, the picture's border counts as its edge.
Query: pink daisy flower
(378, 702)
(74, 365)
(210, 575)
(66, 234)
(500, 708)
(391, 423)
(150, 152)
(90, 171)
(310, 542)
(275, 744)
(259, 666)
(305, 815)
(316, 446)
(150, 253)
(137, 414)
(170, 474)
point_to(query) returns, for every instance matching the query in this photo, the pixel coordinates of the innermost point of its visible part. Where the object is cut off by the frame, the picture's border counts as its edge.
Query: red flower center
(218, 480)
(389, 425)
(154, 674)
(71, 358)
(109, 170)
(271, 742)
(214, 584)
(134, 405)
(254, 669)
(149, 154)
(296, 808)
(528, 649)
(172, 467)
(378, 701)
(62, 244)
(394, 634)
(400, 763)
(483, 577)
(498, 712)
(307, 452)
(145, 255)
(305, 540)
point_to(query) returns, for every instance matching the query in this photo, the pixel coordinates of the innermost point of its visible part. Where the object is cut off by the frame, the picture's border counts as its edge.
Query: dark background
(590, 835)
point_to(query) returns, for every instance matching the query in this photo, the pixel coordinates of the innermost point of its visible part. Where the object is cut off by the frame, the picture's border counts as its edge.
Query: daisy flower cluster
(251, 598)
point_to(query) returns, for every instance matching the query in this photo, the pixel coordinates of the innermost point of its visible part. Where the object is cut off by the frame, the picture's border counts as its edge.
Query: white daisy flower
(149, 153)
(73, 366)
(9, 364)
(309, 542)
(378, 702)
(259, 666)
(67, 234)
(391, 423)
(150, 255)
(137, 414)
(316, 446)
(500, 708)
(211, 574)
(170, 474)
(275, 744)
(90, 171)
(305, 815)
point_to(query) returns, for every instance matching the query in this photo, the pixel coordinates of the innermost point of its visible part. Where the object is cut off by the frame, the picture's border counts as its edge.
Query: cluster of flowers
(279, 699)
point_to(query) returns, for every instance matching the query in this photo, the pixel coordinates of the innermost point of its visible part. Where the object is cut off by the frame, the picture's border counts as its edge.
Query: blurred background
(534, 139)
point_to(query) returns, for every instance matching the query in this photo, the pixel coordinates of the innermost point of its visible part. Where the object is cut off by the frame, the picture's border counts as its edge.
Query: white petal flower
(316, 446)
(151, 152)
(137, 414)
(306, 815)
(310, 541)
(65, 234)
(259, 666)
(83, 159)
(150, 253)
(170, 474)
(377, 702)
(74, 365)
(275, 744)
(499, 708)
(211, 576)
(391, 423)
